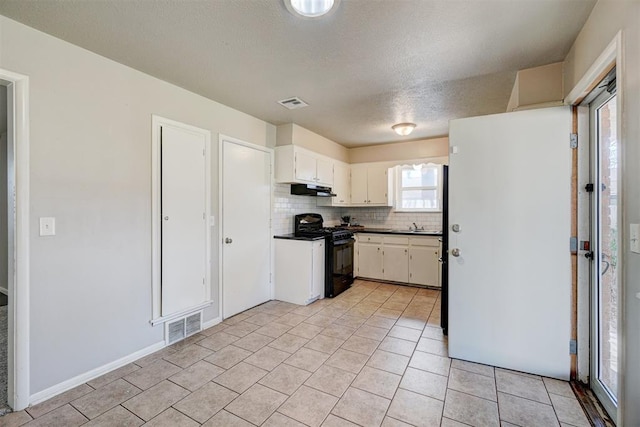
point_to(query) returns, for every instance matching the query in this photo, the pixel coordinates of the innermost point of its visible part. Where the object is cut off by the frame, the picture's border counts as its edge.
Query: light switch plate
(47, 226)
(634, 238)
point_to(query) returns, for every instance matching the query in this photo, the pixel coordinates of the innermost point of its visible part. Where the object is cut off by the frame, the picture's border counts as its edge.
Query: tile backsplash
(386, 217)
(286, 205)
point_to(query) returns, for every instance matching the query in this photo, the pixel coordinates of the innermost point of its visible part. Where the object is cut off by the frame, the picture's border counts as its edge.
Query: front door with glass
(606, 254)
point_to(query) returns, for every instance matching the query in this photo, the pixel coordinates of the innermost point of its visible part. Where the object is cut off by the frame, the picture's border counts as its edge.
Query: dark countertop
(391, 231)
(294, 237)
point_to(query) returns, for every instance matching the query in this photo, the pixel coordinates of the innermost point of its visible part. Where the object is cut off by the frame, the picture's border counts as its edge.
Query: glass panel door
(605, 298)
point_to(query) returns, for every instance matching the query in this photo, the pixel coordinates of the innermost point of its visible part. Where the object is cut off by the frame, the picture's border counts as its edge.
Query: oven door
(342, 267)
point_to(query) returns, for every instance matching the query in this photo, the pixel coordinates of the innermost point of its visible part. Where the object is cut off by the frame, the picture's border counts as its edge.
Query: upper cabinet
(370, 185)
(341, 186)
(297, 165)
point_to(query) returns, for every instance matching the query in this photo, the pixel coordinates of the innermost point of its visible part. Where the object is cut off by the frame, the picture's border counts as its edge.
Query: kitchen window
(418, 188)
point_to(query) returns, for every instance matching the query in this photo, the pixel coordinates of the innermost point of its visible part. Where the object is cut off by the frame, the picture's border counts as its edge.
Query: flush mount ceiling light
(403, 129)
(310, 9)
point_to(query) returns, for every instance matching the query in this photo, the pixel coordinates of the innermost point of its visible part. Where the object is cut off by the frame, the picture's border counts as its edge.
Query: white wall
(91, 169)
(434, 147)
(606, 19)
(293, 134)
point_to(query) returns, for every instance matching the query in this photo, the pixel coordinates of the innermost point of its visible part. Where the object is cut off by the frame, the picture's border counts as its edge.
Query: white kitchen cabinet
(324, 171)
(297, 165)
(395, 262)
(424, 264)
(370, 186)
(299, 270)
(305, 166)
(369, 255)
(341, 186)
(404, 259)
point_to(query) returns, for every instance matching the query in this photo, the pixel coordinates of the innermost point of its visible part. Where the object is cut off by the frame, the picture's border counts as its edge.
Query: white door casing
(246, 261)
(184, 228)
(509, 289)
(18, 393)
(181, 176)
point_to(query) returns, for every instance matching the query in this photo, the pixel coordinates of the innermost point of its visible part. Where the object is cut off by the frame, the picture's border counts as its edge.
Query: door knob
(166, 218)
(455, 252)
(228, 240)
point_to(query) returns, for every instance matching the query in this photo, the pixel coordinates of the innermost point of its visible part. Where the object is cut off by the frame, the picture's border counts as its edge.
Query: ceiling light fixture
(403, 129)
(310, 9)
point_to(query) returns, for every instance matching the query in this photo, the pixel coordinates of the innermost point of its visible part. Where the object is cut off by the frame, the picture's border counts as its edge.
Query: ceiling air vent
(293, 103)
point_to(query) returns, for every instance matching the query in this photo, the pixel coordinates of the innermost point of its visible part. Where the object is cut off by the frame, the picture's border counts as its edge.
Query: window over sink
(418, 188)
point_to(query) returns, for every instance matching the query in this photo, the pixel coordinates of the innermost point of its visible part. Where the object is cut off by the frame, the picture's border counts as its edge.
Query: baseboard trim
(212, 322)
(50, 392)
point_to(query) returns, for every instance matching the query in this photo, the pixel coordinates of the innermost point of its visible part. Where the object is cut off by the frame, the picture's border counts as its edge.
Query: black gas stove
(339, 252)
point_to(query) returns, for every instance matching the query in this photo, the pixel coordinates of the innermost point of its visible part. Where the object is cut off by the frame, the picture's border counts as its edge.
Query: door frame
(222, 139)
(156, 211)
(611, 56)
(19, 281)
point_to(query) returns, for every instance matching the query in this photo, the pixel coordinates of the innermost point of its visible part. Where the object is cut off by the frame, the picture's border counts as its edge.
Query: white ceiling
(369, 65)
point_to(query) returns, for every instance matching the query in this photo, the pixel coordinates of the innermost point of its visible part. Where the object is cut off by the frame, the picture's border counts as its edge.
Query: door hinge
(588, 188)
(270, 277)
(573, 244)
(573, 140)
(203, 280)
(573, 347)
(203, 152)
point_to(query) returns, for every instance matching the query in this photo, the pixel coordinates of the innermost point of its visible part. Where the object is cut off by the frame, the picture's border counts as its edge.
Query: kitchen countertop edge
(401, 232)
(294, 237)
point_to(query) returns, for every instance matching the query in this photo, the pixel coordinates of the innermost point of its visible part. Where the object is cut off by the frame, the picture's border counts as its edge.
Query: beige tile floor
(374, 355)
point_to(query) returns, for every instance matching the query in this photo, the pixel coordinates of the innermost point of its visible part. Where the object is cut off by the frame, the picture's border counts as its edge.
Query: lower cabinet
(424, 267)
(370, 260)
(299, 270)
(413, 260)
(395, 259)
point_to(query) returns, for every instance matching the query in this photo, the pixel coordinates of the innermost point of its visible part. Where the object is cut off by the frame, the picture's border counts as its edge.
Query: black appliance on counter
(338, 275)
(444, 256)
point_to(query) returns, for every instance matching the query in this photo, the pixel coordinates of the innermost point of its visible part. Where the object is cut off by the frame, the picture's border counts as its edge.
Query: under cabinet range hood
(311, 190)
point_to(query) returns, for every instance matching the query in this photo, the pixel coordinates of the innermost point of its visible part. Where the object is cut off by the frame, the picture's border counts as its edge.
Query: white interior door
(183, 210)
(510, 285)
(246, 232)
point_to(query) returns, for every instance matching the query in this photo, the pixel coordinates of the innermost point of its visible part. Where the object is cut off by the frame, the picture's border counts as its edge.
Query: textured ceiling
(369, 65)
